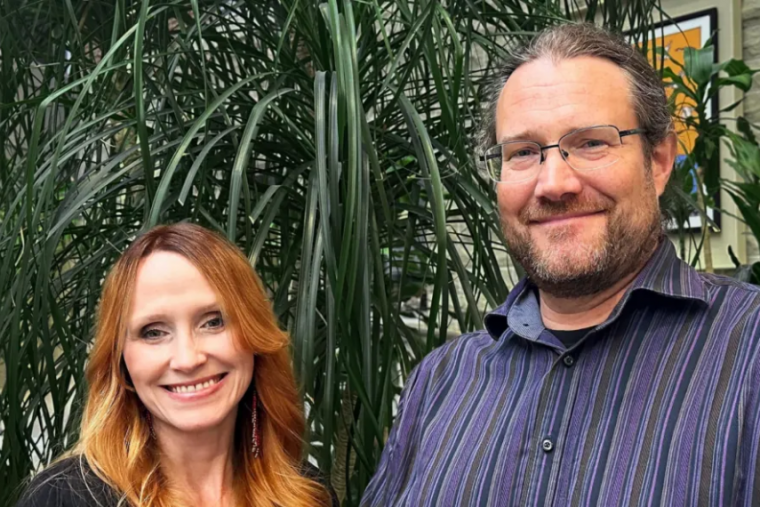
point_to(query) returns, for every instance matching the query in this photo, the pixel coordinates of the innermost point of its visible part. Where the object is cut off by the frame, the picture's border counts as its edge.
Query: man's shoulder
(743, 298)
(735, 307)
(463, 349)
(712, 281)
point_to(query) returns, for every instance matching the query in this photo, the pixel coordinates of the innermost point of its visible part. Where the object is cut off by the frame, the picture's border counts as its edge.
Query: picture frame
(675, 34)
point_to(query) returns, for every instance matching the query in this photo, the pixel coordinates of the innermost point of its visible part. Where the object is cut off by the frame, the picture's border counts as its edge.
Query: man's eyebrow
(526, 135)
(533, 136)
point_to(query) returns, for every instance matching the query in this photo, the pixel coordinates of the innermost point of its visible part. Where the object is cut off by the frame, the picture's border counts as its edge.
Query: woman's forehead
(166, 282)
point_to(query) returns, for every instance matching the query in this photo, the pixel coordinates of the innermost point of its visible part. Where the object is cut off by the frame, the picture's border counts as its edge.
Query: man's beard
(624, 247)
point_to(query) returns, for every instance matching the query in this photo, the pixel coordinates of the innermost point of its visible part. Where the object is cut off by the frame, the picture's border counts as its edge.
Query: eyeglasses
(585, 149)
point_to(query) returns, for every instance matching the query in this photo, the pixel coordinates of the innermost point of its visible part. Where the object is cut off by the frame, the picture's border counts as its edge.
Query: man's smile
(566, 218)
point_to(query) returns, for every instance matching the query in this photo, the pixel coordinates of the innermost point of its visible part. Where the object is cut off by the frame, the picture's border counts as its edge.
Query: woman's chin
(200, 423)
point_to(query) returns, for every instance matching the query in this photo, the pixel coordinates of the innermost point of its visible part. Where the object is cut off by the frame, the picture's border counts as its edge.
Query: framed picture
(692, 30)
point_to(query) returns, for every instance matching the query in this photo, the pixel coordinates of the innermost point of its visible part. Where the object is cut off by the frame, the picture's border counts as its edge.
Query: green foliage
(331, 142)
(700, 81)
(697, 83)
(745, 159)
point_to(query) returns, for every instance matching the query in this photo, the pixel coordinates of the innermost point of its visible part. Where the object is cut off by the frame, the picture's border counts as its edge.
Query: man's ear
(663, 157)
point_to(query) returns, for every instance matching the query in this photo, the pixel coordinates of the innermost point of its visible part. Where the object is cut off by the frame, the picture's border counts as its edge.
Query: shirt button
(568, 360)
(547, 445)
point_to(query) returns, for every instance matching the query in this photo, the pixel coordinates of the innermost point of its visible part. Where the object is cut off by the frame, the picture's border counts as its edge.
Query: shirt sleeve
(396, 463)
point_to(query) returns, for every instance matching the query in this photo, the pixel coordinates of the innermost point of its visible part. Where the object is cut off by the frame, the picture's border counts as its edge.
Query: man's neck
(564, 314)
(567, 314)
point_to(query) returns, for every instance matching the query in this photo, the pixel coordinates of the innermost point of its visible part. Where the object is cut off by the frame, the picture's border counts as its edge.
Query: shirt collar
(663, 274)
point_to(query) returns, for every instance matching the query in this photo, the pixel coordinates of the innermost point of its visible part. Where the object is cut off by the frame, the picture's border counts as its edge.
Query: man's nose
(556, 179)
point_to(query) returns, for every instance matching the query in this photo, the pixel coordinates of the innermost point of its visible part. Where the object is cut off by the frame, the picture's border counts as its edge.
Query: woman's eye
(151, 334)
(215, 323)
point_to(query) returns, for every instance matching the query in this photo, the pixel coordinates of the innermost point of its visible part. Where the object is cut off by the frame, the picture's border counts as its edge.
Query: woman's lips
(210, 386)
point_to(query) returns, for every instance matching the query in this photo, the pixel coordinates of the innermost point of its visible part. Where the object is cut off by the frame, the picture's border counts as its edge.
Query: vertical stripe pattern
(658, 405)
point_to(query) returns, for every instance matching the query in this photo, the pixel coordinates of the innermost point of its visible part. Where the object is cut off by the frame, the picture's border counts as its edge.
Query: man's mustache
(539, 211)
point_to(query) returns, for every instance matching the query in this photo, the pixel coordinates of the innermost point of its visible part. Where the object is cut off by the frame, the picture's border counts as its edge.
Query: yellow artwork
(674, 45)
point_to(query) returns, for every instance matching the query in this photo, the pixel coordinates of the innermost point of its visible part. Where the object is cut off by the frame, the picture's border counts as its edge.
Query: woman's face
(181, 356)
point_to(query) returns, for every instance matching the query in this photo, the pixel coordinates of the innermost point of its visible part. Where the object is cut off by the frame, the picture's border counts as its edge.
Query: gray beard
(627, 247)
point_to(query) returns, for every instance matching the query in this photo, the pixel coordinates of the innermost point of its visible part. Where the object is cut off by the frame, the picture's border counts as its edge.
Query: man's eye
(524, 153)
(593, 143)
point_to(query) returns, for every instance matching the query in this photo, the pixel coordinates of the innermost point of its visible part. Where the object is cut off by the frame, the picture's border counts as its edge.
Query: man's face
(579, 232)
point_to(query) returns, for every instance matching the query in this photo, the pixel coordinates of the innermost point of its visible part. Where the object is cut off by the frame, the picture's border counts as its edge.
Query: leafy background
(333, 142)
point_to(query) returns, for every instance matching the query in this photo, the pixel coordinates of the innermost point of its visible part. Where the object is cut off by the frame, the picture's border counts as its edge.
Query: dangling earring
(149, 418)
(255, 433)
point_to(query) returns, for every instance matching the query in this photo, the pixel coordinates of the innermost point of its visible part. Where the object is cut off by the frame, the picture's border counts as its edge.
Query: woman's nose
(188, 355)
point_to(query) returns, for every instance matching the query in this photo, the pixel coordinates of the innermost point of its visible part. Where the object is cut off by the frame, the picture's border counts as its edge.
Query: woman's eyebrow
(209, 308)
(150, 318)
(144, 320)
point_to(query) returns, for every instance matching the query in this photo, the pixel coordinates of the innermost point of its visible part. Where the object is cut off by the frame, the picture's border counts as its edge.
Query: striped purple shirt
(658, 405)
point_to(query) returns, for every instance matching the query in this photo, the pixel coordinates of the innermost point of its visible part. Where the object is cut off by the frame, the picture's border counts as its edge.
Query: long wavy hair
(115, 437)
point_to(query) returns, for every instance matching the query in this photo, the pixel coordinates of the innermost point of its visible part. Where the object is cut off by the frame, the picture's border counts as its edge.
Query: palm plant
(331, 142)
(696, 177)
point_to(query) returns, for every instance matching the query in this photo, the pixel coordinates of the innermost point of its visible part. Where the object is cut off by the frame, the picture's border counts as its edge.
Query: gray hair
(575, 40)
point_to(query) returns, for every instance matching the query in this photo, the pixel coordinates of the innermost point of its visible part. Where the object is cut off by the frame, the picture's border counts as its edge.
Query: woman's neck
(200, 464)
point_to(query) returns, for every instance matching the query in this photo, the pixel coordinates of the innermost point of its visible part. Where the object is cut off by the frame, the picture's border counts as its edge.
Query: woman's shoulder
(67, 483)
(315, 474)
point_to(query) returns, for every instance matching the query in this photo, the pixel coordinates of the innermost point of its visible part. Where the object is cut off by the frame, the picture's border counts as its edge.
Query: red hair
(115, 437)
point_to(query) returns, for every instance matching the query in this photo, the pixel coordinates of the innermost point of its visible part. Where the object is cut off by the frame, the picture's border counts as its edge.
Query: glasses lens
(591, 148)
(512, 162)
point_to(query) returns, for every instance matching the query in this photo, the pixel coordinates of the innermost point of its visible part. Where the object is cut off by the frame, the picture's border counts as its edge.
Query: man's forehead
(566, 94)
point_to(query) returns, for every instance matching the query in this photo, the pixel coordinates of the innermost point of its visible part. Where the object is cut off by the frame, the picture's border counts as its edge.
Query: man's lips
(556, 219)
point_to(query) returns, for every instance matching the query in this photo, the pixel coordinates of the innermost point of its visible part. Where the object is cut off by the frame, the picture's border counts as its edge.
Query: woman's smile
(196, 389)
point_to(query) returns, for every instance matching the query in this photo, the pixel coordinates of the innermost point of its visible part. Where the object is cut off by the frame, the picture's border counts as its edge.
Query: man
(615, 374)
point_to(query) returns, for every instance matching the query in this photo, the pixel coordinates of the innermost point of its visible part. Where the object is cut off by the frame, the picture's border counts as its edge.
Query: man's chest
(620, 426)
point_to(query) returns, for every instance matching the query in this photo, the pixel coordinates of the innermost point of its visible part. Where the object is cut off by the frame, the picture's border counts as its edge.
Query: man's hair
(575, 40)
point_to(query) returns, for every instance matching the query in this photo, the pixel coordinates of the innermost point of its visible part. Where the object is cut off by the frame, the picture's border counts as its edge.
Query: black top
(68, 483)
(71, 483)
(571, 337)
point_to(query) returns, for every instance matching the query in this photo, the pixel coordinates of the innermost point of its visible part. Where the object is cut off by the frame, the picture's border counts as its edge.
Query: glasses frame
(621, 134)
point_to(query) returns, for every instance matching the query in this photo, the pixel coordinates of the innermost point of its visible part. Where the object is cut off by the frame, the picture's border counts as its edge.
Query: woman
(192, 400)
